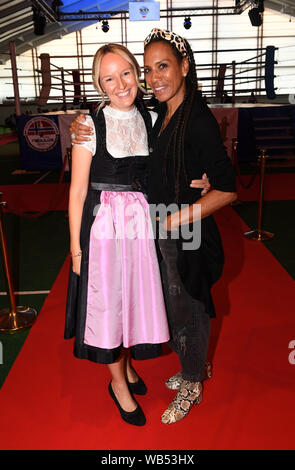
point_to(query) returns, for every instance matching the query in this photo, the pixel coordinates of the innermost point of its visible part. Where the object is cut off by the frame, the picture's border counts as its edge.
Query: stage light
(105, 26)
(187, 22)
(255, 17)
(56, 4)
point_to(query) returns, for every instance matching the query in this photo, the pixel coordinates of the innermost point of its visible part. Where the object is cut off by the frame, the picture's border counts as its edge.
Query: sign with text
(144, 11)
(39, 140)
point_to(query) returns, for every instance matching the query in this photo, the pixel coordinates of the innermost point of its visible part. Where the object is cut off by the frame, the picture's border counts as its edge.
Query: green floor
(37, 250)
(39, 246)
(278, 218)
(10, 162)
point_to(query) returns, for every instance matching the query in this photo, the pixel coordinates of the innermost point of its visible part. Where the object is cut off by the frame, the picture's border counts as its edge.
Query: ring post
(14, 318)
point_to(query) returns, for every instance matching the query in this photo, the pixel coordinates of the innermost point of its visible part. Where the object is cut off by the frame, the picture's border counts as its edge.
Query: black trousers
(188, 321)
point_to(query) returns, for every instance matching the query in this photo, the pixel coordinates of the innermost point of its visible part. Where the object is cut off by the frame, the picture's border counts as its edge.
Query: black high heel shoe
(135, 417)
(139, 387)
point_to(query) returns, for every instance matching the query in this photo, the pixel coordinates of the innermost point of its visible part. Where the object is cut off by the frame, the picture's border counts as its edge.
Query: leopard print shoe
(188, 394)
(174, 382)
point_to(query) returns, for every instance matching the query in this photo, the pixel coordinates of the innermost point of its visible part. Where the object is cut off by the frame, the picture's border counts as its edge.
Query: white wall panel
(234, 31)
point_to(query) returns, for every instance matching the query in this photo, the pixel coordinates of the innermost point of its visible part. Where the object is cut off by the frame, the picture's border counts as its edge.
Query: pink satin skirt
(125, 303)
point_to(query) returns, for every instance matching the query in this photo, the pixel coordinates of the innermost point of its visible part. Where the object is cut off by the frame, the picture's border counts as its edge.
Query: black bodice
(105, 168)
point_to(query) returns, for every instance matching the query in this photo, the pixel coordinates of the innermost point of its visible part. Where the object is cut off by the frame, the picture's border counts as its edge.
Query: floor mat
(51, 400)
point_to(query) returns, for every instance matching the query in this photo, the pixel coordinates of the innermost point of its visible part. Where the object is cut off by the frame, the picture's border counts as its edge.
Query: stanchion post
(13, 318)
(234, 146)
(234, 160)
(5, 260)
(259, 234)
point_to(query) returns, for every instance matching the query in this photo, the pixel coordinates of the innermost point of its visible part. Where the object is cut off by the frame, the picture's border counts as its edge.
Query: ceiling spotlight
(187, 23)
(39, 22)
(105, 26)
(255, 17)
(56, 4)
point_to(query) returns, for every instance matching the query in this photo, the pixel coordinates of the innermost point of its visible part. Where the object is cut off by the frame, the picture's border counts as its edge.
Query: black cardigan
(205, 152)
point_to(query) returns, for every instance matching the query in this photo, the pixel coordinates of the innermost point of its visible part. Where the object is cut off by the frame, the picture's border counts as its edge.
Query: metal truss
(236, 9)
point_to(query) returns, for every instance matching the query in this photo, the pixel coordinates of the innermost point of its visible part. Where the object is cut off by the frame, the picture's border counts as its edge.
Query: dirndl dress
(117, 301)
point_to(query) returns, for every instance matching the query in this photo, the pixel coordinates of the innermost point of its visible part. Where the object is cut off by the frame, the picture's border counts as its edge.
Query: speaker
(39, 22)
(255, 17)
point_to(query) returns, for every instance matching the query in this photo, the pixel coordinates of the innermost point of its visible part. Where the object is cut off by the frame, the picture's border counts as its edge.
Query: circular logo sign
(144, 11)
(41, 133)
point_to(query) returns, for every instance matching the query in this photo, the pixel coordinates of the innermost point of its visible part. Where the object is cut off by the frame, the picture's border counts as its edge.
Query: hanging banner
(39, 140)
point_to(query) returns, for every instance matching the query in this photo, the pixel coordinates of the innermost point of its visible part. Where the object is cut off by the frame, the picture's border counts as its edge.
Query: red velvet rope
(52, 204)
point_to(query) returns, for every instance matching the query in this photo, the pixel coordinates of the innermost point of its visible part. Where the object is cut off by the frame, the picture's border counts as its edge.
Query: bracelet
(77, 254)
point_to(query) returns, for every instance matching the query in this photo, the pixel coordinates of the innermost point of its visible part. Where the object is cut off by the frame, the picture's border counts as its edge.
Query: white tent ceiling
(17, 19)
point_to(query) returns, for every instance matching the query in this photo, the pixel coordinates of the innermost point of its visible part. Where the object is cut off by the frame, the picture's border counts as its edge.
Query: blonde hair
(114, 49)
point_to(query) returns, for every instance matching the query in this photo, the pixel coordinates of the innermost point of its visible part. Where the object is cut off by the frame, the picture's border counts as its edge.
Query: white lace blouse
(125, 132)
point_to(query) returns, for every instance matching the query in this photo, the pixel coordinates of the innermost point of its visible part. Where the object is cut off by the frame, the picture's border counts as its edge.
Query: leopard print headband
(176, 40)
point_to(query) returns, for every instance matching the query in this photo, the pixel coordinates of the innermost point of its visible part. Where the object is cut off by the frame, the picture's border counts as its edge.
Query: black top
(204, 153)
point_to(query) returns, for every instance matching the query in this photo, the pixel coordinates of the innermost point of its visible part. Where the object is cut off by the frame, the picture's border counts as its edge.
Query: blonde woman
(115, 305)
(114, 77)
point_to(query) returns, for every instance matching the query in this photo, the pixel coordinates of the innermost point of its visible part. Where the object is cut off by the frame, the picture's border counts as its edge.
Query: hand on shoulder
(80, 129)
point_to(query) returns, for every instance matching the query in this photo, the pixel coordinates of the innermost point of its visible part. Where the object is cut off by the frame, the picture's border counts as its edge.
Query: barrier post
(234, 160)
(259, 234)
(13, 318)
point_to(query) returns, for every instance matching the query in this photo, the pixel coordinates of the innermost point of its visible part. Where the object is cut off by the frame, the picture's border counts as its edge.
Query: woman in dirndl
(115, 306)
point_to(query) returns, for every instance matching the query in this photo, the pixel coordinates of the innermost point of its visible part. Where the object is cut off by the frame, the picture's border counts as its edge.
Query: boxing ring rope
(60, 73)
(238, 68)
(234, 82)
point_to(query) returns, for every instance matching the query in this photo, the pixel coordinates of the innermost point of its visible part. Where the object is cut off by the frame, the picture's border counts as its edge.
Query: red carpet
(277, 187)
(7, 138)
(22, 198)
(51, 400)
